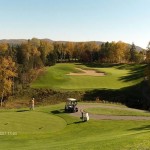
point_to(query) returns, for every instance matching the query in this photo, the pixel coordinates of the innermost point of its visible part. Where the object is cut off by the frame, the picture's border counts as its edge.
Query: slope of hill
(13, 41)
(19, 41)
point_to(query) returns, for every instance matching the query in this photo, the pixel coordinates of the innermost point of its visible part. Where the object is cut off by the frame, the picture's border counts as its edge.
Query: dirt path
(108, 117)
(87, 73)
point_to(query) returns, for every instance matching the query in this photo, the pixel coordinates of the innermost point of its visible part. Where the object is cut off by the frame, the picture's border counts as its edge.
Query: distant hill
(20, 41)
(48, 40)
(138, 48)
(13, 41)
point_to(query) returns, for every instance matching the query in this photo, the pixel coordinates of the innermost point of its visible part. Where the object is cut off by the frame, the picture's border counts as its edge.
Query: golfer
(82, 116)
(32, 104)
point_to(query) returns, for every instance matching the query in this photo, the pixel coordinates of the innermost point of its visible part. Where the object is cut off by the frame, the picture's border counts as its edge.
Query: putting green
(30, 122)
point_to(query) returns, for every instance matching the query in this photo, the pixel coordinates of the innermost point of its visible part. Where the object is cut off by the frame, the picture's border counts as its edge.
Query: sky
(76, 20)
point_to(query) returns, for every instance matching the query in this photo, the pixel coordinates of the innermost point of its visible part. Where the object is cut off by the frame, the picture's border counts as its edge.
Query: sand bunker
(87, 73)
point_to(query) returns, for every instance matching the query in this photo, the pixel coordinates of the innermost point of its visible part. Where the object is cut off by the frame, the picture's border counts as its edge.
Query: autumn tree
(45, 49)
(69, 49)
(106, 52)
(28, 59)
(7, 72)
(58, 48)
(51, 58)
(79, 49)
(148, 62)
(122, 52)
(90, 51)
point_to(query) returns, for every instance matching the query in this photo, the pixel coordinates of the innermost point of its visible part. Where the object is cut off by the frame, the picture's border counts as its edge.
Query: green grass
(116, 77)
(49, 128)
(118, 112)
(64, 132)
(27, 122)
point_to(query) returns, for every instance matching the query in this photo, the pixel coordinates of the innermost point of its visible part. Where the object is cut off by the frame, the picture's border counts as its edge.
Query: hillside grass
(117, 76)
(62, 131)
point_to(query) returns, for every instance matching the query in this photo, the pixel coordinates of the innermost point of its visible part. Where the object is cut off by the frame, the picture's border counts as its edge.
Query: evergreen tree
(133, 53)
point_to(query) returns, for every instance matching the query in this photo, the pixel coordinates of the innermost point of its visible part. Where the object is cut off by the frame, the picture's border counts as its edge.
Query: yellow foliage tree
(121, 51)
(7, 72)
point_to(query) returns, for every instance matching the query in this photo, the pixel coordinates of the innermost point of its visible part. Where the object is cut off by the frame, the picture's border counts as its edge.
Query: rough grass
(116, 77)
(92, 135)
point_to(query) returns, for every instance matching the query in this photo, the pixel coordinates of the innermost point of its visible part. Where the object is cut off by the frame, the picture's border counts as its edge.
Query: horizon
(69, 20)
(70, 41)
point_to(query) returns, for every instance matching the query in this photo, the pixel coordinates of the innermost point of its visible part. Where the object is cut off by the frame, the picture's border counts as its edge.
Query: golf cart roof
(71, 99)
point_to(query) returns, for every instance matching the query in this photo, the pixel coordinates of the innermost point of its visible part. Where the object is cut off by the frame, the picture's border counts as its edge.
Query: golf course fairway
(49, 128)
(116, 77)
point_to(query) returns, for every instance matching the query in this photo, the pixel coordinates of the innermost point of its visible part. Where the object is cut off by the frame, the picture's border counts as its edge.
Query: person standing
(32, 104)
(82, 114)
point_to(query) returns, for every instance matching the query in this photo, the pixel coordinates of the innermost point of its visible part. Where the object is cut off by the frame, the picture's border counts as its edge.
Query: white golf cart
(71, 105)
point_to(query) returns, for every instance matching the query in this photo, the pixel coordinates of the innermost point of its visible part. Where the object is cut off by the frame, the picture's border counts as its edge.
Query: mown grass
(118, 112)
(72, 134)
(50, 128)
(26, 122)
(116, 77)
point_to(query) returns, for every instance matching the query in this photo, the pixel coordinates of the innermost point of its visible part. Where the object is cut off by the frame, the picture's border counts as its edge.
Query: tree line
(89, 52)
(19, 64)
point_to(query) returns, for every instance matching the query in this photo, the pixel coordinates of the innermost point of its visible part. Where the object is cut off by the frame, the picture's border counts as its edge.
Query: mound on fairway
(56, 77)
(28, 122)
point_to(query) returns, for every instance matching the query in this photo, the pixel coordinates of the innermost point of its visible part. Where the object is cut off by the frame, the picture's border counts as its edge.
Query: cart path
(108, 117)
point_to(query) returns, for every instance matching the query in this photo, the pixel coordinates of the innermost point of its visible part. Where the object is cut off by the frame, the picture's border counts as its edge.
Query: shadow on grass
(130, 96)
(22, 110)
(56, 112)
(76, 122)
(145, 127)
(135, 73)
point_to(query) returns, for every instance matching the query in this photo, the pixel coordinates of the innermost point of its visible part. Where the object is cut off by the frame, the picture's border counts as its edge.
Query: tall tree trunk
(2, 98)
(13, 86)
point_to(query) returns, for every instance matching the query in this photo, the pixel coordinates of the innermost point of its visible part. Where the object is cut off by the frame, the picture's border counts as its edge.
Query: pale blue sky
(76, 20)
